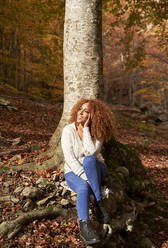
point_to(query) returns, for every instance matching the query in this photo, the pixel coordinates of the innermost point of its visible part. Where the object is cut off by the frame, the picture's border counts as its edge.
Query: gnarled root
(11, 228)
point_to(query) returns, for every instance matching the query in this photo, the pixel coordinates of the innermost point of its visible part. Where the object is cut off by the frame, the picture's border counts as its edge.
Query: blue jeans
(95, 171)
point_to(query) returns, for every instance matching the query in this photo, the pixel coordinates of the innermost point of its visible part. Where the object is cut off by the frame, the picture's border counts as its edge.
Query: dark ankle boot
(87, 233)
(103, 215)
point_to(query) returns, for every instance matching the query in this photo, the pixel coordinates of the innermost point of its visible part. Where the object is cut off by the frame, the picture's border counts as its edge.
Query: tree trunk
(25, 59)
(83, 66)
(16, 79)
(5, 63)
(166, 100)
(2, 64)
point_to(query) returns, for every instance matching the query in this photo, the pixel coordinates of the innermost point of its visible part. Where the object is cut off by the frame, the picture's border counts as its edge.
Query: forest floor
(34, 123)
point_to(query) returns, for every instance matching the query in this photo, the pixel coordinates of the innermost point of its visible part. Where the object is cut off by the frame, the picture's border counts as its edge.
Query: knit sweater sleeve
(90, 147)
(67, 148)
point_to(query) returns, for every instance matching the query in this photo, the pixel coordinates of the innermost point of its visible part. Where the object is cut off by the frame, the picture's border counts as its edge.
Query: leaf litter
(34, 123)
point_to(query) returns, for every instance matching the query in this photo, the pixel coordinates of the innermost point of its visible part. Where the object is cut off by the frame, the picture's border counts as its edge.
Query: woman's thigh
(102, 168)
(94, 168)
(75, 182)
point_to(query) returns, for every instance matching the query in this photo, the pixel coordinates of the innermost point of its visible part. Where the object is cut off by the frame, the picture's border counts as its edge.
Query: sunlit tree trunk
(83, 66)
(82, 54)
(82, 51)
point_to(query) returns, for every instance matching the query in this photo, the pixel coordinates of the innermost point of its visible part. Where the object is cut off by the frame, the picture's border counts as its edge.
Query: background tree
(132, 30)
(31, 47)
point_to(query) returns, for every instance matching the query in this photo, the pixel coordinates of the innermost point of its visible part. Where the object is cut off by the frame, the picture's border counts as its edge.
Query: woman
(91, 123)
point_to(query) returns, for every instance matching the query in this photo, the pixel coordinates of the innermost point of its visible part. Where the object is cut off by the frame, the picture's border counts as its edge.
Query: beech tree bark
(83, 66)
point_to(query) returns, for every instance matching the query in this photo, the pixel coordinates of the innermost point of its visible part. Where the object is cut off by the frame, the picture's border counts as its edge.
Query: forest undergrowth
(25, 133)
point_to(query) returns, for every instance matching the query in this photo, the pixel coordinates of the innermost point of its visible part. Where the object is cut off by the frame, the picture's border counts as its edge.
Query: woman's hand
(87, 121)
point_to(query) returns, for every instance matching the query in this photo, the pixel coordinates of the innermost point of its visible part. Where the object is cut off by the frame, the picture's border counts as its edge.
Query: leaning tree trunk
(83, 67)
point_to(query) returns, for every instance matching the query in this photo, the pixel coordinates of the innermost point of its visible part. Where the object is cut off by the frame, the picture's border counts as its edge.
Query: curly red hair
(102, 125)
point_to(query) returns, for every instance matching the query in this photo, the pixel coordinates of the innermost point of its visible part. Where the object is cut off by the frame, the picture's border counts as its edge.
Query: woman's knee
(89, 160)
(83, 188)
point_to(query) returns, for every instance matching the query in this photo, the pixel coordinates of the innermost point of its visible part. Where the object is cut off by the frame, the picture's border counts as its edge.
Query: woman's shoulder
(69, 127)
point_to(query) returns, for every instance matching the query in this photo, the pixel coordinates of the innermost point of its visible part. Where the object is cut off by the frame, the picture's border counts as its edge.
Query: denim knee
(89, 160)
(84, 190)
(84, 187)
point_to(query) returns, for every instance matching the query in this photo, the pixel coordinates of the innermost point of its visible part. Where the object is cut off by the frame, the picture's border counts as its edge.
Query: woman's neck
(80, 130)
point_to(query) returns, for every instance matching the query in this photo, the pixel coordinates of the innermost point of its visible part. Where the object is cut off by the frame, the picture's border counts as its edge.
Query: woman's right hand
(87, 121)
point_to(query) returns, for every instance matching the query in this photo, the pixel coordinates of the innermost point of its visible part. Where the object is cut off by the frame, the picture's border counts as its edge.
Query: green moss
(142, 126)
(126, 124)
(138, 184)
(50, 208)
(116, 154)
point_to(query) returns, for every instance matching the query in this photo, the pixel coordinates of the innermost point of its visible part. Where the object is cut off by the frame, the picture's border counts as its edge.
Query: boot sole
(89, 242)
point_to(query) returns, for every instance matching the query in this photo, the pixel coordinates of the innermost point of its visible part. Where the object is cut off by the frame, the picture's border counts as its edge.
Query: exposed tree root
(11, 228)
(13, 151)
(55, 160)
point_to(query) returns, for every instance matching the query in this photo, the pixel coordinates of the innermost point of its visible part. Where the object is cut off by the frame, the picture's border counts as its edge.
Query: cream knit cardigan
(75, 149)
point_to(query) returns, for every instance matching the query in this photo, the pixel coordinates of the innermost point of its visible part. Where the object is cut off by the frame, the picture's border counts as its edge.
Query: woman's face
(83, 113)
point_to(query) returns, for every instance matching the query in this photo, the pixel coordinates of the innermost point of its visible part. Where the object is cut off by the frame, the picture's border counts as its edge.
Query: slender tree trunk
(4, 49)
(133, 92)
(130, 93)
(16, 80)
(25, 83)
(30, 78)
(121, 92)
(21, 66)
(2, 58)
(166, 100)
(83, 66)
(10, 66)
